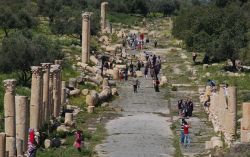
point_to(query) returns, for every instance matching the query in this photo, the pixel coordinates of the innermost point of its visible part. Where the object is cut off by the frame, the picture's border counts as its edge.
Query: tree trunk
(80, 39)
(234, 63)
(6, 32)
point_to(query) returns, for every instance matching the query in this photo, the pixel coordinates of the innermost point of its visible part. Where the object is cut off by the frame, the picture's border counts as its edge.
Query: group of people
(135, 42)
(153, 67)
(212, 90)
(35, 138)
(185, 107)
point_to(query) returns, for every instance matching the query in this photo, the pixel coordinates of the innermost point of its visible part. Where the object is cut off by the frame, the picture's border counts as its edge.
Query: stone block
(68, 118)
(209, 145)
(19, 146)
(217, 144)
(2, 144)
(105, 104)
(245, 135)
(47, 143)
(63, 128)
(11, 146)
(75, 92)
(85, 92)
(139, 73)
(115, 91)
(91, 109)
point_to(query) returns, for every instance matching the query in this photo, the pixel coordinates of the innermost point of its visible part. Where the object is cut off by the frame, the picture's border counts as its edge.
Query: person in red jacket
(186, 134)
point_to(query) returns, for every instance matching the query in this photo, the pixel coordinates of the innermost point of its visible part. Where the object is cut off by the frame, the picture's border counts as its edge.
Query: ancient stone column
(46, 70)
(63, 93)
(10, 113)
(231, 115)
(85, 37)
(22, 119)
(11, 146)
(35, 100)
(9, 107)
(59, 62)
(19, 147)
(2, 144)
(51, 100)
(56, 100)
(103, 16)
(245, 122)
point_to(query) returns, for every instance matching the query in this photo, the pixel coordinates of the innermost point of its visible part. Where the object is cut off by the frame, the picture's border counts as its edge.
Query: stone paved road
(144, 129)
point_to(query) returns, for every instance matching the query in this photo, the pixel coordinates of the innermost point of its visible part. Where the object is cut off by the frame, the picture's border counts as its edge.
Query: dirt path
(144, 129)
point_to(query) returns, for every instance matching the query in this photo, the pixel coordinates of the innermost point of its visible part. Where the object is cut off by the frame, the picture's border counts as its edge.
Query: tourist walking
(78, 140)
(135, 83)
(225, 88)
(146, 72)
(194, 57)
(156, 85)
(155, 43)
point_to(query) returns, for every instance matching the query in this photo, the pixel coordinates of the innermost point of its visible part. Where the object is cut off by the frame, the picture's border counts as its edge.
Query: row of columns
(48, 93)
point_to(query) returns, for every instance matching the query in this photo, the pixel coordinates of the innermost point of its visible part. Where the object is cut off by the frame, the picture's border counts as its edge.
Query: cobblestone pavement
(144, 128)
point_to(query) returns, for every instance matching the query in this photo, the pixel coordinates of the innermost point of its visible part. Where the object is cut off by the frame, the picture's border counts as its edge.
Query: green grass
(90, 139)
(176, 140)
(119, 18)
(69, 72)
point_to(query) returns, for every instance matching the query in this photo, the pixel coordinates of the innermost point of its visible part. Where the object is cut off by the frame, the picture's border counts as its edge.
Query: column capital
(9, 85)
(36, 70)
(46, 66)
(55, 68)
(105, 3)
(86, 16)
(59, 61)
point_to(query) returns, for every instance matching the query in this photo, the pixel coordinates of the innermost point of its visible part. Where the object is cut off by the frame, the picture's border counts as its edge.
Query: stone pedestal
(245, 122)
(85, 37)
(91, 109)
(68, 118)
(11, 146)
(22, 120)
(46, 70)
(115, 74)
(35, 101)
(2, 144)
(9, 107)
(104, 6)
(89, 100)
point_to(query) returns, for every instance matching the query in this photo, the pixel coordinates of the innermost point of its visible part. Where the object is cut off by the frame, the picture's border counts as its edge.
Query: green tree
(21, 50)
(17, 15)
(220, 32)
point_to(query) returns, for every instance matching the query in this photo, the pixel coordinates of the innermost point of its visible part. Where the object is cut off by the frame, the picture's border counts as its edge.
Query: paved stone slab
(142, 131)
